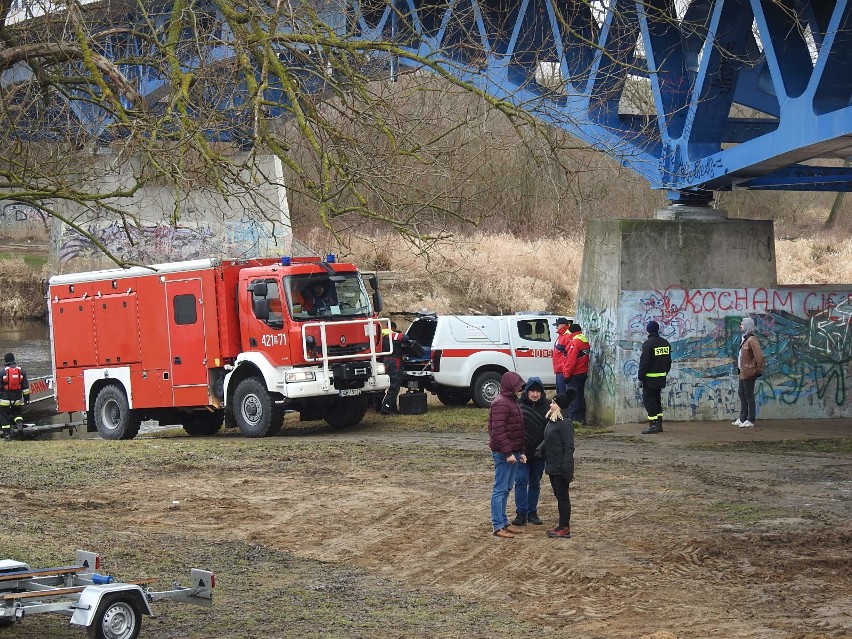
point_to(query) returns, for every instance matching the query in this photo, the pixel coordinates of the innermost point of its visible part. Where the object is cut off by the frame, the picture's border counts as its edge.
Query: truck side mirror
(377, 302)
(261, 309)
(374, 281)
(260, 289)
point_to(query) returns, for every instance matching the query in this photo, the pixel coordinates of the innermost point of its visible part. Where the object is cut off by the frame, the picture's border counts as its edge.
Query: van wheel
(113, 417)
(345, 412)
(255, 413)
(453, 396)
(485, 388)
(202, 424)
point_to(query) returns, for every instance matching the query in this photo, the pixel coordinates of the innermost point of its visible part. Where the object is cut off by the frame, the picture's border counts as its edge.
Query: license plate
(413, 385)
(350, 392)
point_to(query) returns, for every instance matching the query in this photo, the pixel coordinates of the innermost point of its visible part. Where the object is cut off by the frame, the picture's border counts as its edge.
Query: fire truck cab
(204, 342)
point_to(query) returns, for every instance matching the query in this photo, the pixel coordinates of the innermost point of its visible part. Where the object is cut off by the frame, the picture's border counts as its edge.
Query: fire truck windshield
(319, 295)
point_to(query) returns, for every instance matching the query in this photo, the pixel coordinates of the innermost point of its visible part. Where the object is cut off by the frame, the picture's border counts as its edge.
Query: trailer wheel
(486, 388)
(255, 413)
(345, 412)
(113, 417)
(5, 623)
(118, 617)
(202, 424)
(453, 396)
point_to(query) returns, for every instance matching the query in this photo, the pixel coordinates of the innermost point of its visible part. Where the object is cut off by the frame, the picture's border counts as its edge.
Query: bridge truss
(695, 96)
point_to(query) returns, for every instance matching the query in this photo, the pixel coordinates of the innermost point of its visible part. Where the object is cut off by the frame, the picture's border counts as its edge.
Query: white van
(467, 354)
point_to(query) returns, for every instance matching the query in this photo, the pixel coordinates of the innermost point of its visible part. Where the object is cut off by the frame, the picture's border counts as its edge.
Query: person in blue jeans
(506, 440)
(534, 406)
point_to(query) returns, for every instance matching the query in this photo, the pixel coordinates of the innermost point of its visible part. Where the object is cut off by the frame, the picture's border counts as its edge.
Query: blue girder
(735, 93)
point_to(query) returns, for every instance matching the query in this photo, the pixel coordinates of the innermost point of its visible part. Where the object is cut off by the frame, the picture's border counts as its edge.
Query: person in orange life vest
(318, 297)
(575, 368)
(393, 341)
(14, 393)
(560, 350)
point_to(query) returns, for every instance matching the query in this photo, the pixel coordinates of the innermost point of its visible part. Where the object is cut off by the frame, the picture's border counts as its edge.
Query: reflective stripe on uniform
(655, 374)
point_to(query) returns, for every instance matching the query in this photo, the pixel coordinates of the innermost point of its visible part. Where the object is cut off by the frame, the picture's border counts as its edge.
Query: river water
(30, 342)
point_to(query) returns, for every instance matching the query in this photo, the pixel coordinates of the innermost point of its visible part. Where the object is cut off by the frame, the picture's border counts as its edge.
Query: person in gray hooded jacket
(750, 362)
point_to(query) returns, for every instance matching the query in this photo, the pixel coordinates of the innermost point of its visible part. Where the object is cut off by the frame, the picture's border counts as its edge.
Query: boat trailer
(109, 609)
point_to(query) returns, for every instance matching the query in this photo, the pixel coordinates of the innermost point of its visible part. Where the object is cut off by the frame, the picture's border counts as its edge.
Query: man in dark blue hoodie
(534, 405)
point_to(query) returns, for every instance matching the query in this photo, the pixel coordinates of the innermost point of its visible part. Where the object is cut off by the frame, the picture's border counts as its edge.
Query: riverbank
(22, 277)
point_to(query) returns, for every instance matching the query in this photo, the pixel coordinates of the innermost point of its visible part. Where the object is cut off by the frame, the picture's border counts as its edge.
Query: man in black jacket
(654, 365)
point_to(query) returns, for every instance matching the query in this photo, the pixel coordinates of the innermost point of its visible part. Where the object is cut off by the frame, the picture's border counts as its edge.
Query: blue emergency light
(330, 258)
(285, 261)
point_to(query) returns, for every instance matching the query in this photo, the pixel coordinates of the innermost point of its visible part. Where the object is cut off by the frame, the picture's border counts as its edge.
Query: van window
(534, 330)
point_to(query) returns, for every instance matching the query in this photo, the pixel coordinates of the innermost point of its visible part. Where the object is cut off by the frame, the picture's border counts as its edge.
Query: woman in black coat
(557, 449)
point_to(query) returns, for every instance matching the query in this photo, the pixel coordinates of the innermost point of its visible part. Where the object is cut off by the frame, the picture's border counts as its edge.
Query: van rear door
(532, 340)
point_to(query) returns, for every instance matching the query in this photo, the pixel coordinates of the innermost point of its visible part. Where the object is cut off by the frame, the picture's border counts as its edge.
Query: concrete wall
(207, 223)
(697, 280)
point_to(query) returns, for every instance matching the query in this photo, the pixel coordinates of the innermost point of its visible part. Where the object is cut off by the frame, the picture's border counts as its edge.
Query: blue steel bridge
(734, 93)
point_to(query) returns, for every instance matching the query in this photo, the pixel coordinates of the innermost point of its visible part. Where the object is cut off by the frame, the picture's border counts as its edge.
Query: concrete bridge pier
(163, 224)
(695, 273)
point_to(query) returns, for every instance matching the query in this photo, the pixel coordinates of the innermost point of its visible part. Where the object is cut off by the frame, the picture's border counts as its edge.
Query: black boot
(520, 520)
(534, 519)
(654, 426)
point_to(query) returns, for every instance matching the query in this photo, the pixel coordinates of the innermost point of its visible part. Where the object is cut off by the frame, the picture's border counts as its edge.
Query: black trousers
(393, 368)
(560, 483)
(10, 416)
(747, 406)
(577, 409)
(651, 398)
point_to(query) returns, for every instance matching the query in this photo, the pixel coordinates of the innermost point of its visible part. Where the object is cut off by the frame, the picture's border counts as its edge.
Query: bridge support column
(695, 273)
(162, 224)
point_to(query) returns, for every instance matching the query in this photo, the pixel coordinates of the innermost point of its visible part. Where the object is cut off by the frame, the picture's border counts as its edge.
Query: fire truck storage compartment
(412, 403)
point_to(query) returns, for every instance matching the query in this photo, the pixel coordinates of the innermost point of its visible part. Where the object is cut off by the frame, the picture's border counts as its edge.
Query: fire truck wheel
(345, 412)
(118, 617)
(254, 411)
(453, 396)
(486, 387)
(202, 424)
(113, 417)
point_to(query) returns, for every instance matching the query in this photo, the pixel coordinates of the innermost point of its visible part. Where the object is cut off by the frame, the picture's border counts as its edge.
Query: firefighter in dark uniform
(392, 340)
(654, 365)
(14, 393)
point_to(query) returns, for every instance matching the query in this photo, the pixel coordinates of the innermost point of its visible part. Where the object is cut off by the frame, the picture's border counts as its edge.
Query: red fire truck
(204, 342)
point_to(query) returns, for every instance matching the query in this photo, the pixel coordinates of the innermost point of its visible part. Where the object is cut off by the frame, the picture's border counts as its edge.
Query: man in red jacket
(560, 350)
(575, 368)
(506, 440)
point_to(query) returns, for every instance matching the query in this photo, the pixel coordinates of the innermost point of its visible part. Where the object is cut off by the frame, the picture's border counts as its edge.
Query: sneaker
(737, 423)
(514, 529)
(533, 519)
(503, 533)
(520, 520)
(560, 533)
(746, 424)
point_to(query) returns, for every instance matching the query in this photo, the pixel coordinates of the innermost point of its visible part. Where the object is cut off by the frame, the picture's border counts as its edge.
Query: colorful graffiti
(163, 242)
(806, 334)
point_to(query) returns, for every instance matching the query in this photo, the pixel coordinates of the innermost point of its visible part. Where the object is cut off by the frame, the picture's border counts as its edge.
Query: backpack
(13, 378)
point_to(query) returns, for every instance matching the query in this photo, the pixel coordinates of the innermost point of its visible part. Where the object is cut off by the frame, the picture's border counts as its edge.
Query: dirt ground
(677, 535)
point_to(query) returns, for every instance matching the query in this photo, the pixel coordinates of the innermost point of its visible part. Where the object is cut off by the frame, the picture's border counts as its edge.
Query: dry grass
(824, 258)
(21, 287)
(500, 273)
(483, 273)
